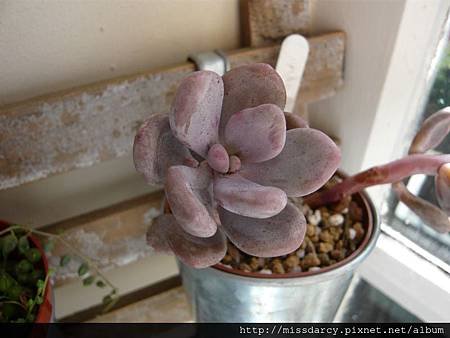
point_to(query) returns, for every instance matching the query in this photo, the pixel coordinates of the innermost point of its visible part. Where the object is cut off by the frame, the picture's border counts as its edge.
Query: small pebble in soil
(333, 232)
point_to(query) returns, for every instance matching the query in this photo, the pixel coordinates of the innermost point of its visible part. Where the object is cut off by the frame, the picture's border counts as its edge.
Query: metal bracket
(216, 61)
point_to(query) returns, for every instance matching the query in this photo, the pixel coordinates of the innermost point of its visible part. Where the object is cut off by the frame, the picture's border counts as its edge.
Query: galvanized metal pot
(219, 294)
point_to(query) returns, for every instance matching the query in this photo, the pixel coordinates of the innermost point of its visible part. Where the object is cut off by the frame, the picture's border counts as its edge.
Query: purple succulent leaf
(295, 121)
(241, 196)
(156, 233)
(189, 194)
(250, 86)
(196, 111)
(430, 214)
(235, 163)
(156, 149)
(195, 251)
(218, 158)
(442, 185)
(270, 237)
(256, 134)
(307, 161)
(433, 131)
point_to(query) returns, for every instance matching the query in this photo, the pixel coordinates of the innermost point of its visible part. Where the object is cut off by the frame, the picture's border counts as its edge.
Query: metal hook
(216, 61)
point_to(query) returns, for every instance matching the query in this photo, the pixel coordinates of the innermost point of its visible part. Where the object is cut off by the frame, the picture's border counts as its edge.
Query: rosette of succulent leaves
(229, 158)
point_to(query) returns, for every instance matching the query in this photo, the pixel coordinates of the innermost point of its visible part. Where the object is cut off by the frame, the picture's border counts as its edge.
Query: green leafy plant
(23, 279)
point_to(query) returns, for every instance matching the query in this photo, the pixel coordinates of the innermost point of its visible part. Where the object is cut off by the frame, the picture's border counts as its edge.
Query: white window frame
(391, 50)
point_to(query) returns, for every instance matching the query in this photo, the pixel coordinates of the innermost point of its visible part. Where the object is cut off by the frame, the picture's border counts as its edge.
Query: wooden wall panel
(265, 22)
(88, 125)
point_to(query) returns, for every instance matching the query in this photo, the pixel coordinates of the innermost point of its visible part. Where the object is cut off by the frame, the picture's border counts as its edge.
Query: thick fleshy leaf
(194, 251)
(156, 149)
(250, 86)
(218, 158)
(256, 134)
(295, 121)
(307, 161)
(157, 233)
(188, 192)
(432, 132)
(430, 214)
(442, 185)
(196, 110)
(235, 163)
(269, 237)
(241, 196)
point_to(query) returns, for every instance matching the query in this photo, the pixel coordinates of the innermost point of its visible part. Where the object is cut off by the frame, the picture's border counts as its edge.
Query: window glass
(397, 215)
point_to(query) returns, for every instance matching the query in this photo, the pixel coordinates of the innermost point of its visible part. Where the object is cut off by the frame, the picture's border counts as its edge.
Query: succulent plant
(229, 158)
(432, 132)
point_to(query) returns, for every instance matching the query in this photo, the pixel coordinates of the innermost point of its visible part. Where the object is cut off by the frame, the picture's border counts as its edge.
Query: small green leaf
(40, 284)
(39, 300)
(33, 255)
(9, 244)
(6, 281)
(23, 244)
(107, 300)
(24, 266)
(83, 269)
(101, 284)
(88, 280)
(64, 260)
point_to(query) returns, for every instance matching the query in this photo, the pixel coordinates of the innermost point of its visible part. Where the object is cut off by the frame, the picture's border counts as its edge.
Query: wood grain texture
(96, 123)
(111, 237)
(265, 22)
(167, 307)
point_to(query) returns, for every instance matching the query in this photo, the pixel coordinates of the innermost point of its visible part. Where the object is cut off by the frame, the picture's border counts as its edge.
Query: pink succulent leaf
(156, 233)
(295, 121)
(195, 251)
(250, 86)
(430, 214)
(442, 185)
(156, 149)
(433, 131)
(196, 110)
(307, 161)
(218, 158)
(189, 194)
(235, 163)
(270, 237)
(241, 196)
(256, 134)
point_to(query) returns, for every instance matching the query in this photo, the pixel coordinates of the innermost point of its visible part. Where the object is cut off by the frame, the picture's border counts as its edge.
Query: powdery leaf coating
(194, 251)
(196, 110)
(256, 134)
(189, 196)
(430, 214)
(270, 237)
(250, 86)
(433, 131)
(295, 121)
(442, 185)
(241, 196)
(218, 158)
(307, 161)
(156, 149)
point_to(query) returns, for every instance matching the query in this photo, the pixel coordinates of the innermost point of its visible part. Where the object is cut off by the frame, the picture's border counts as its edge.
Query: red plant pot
(45, 312)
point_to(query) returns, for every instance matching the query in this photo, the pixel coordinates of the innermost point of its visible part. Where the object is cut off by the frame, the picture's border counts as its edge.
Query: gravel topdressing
(333, 233)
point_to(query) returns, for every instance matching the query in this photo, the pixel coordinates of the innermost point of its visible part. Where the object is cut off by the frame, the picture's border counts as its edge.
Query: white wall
(50, 45)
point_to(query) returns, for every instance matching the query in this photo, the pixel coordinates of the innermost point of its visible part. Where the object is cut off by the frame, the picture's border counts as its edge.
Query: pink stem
(388, 173)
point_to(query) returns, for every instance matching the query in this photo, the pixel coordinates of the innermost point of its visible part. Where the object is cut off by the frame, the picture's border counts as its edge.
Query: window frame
(396, 73)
